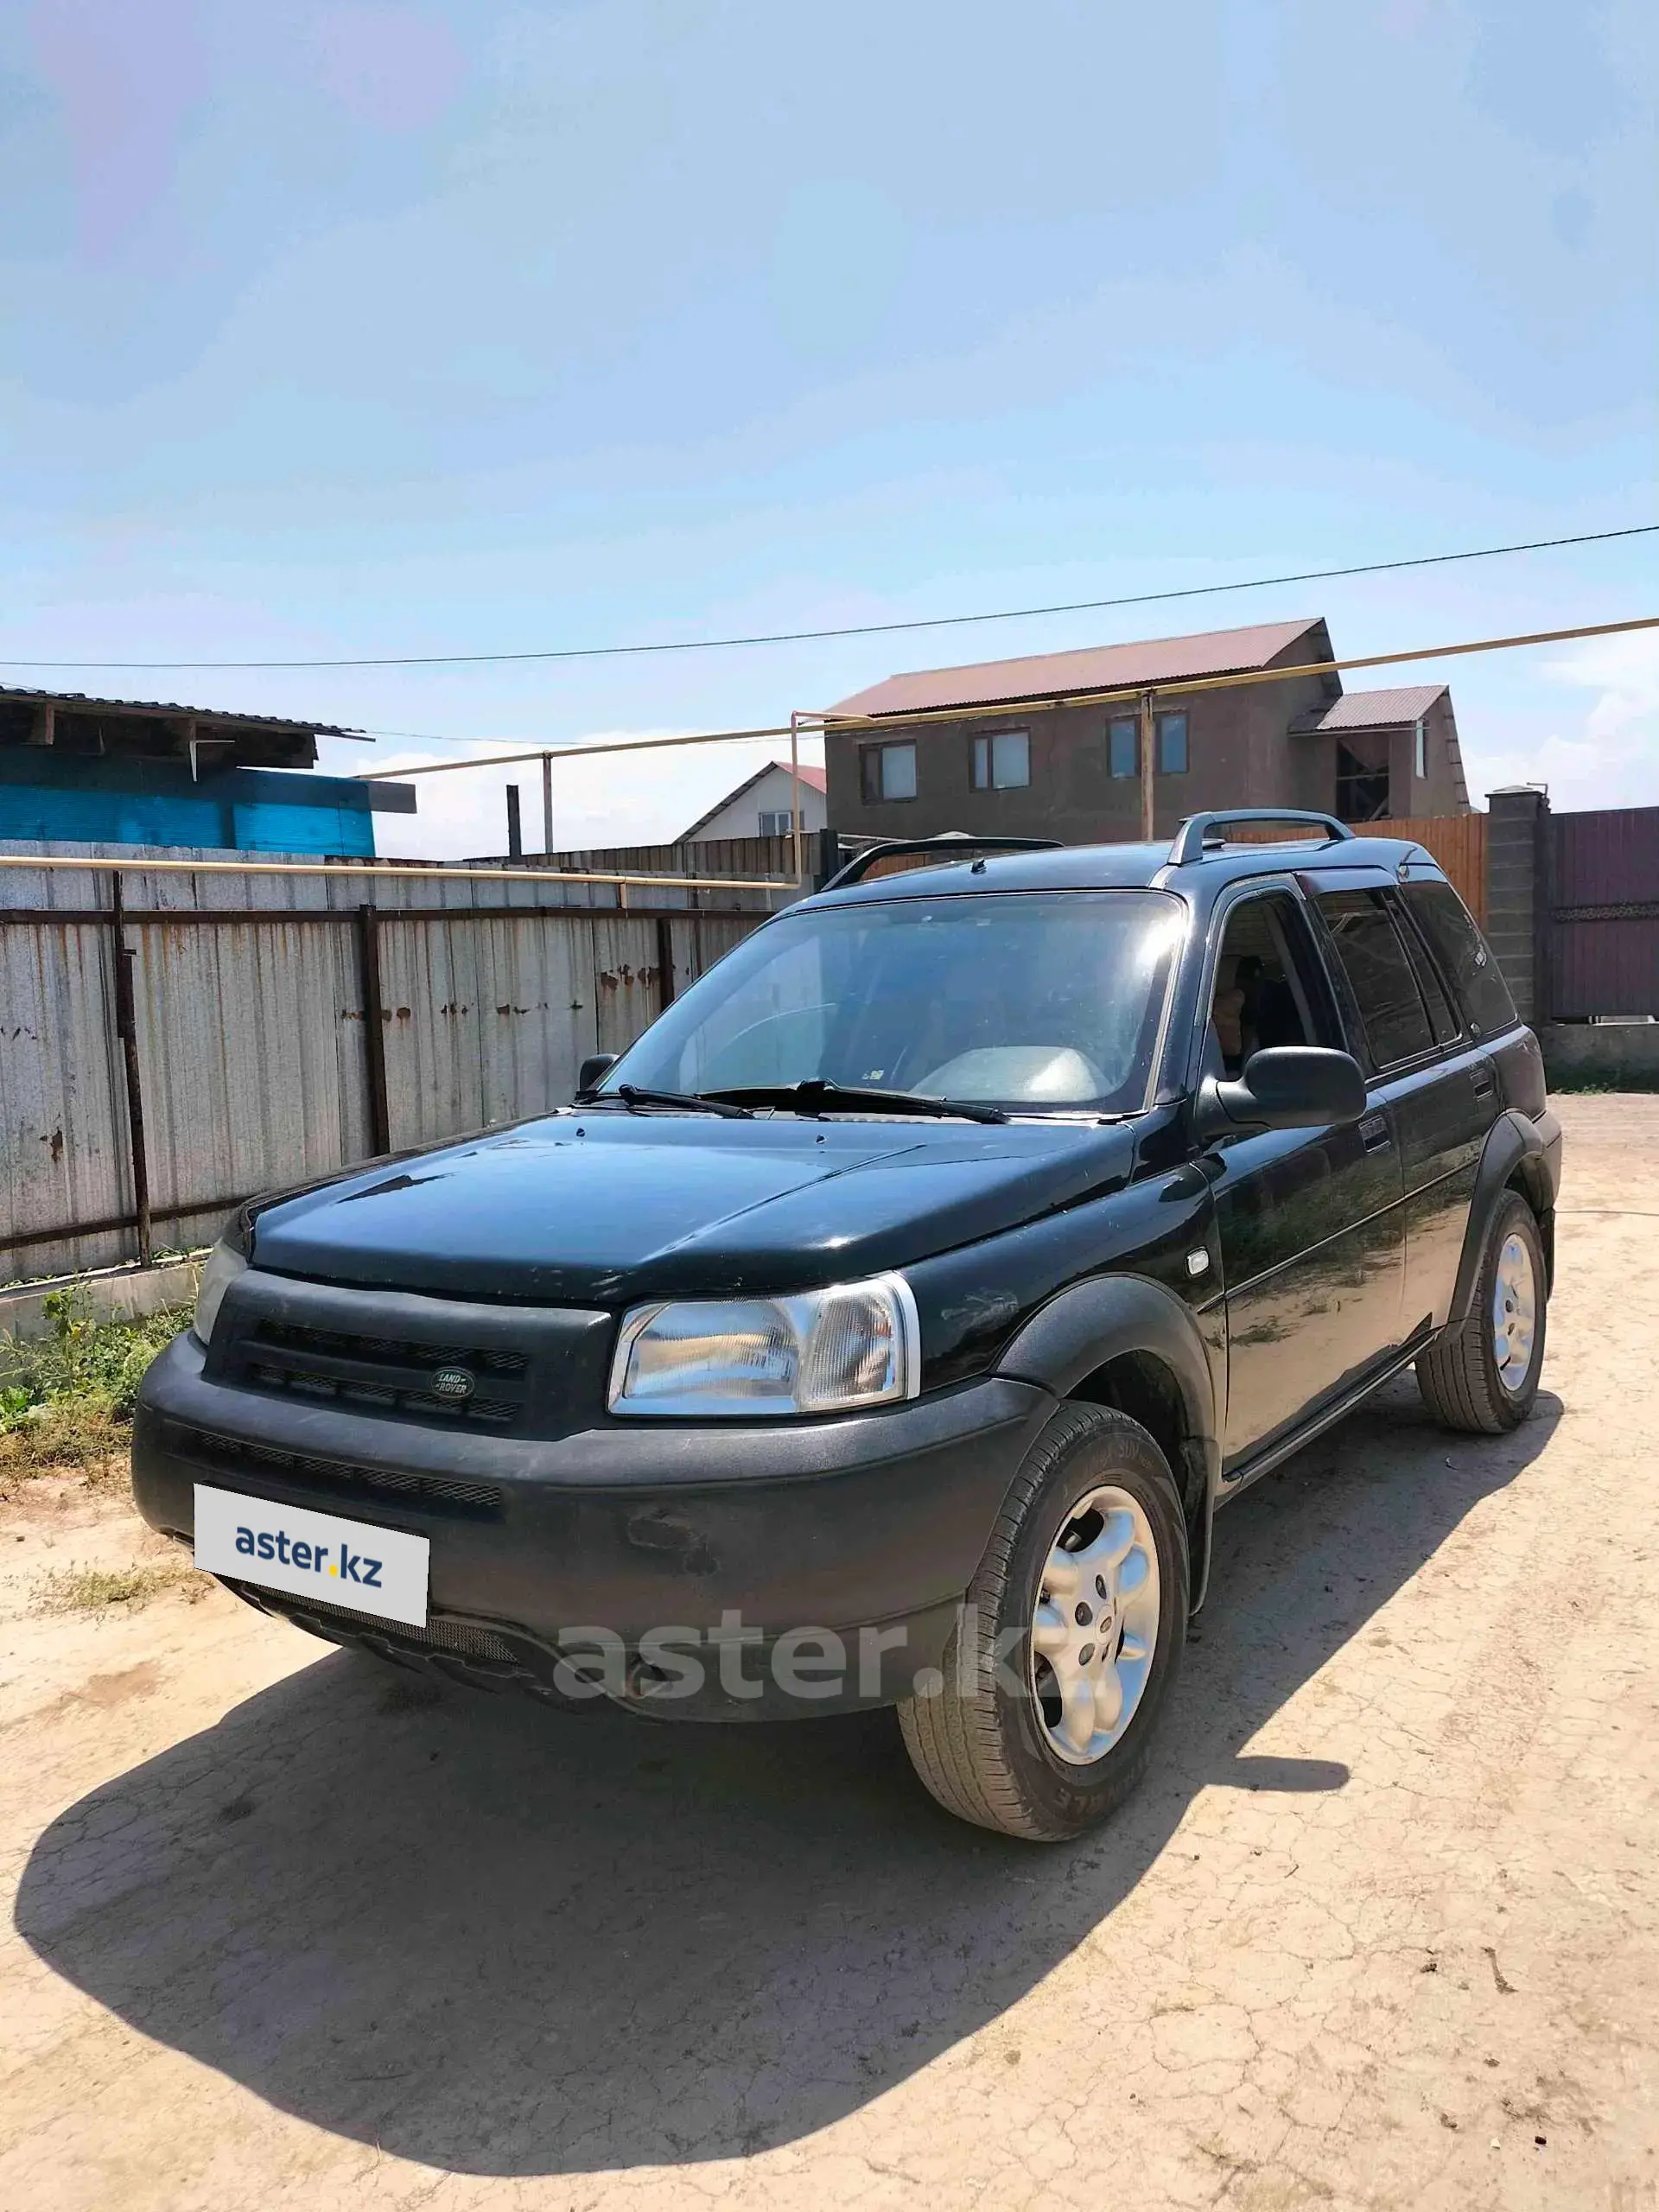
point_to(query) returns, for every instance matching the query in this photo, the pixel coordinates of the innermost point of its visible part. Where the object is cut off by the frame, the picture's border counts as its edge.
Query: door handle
(1373, 1133)
(1484, 1081)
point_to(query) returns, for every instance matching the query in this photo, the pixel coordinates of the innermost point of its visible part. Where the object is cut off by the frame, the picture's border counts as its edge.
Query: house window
(1172, 745)
(1123, 746)
(1001, 762)
(1362, 780)
(1420, 756)
(775, 823)
(887, 771)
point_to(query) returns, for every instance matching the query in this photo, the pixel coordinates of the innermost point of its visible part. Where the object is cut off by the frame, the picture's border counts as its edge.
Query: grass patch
(1584, 1085)
(90, 1589)
(66, 1400)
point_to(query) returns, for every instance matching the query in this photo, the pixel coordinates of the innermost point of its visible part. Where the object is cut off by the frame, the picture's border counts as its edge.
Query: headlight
(218, 1271)
(824, 1352)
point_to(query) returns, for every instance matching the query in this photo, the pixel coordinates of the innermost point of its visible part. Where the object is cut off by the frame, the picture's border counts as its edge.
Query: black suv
(887, 1325)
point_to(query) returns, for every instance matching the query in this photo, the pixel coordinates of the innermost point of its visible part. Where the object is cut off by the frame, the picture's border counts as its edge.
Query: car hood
(606, 1207)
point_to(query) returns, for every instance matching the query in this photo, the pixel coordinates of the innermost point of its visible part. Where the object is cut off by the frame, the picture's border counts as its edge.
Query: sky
(343, 328)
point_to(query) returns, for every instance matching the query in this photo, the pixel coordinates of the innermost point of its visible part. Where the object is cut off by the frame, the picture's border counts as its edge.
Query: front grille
(402, 1350)
(459, 1637)
(387, 1373)
(455, 1648)
(450, 1491)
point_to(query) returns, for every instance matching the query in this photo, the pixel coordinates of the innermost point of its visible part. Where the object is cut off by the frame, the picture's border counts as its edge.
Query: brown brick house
(1037, 765)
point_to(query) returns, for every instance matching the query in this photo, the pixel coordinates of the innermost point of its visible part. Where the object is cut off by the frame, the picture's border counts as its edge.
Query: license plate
(349, 1563)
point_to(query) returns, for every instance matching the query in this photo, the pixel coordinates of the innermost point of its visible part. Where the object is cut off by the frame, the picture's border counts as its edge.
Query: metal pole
(126, 1029)
(547, 807)
(515, 828)
(1148, 734)
(795, 798)
(374, 1029)
(444, 872)
(665, 962)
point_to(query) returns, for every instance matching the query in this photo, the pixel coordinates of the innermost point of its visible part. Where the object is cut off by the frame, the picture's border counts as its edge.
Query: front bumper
(869, 1525)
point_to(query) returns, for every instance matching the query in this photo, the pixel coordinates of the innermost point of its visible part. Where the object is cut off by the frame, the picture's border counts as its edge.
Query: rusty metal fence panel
(713, 857)
(1603, 894)
(282, 1027)
(63, 1150)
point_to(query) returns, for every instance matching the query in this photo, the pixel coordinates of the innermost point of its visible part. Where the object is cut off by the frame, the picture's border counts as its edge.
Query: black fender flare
(1514, 1152)
(1084, 1327)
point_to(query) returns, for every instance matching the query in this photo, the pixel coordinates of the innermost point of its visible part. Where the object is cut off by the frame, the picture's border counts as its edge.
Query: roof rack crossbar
(950, 845)
(1201, 831)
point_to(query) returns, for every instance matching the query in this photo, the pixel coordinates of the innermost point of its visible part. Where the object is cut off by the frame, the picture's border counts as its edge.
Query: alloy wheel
(1514, 1306)
(1095, 1628)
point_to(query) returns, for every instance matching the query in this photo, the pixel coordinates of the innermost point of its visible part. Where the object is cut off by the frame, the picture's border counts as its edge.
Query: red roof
(814, 779)
(1093, 668)
(1407, 703)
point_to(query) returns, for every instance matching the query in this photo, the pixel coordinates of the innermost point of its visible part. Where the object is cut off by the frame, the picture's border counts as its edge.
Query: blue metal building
(133, 772)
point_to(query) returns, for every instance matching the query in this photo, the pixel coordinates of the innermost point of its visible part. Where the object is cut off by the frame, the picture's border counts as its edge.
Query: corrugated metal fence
(169, 1043)
(1603, 908)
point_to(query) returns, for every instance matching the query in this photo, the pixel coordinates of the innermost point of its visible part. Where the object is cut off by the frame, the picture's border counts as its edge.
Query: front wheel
(1068, 1642)
(1482, 1378)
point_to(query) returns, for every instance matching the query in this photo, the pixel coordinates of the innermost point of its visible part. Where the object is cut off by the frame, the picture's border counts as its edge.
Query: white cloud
(1606, 754)
(645, 797)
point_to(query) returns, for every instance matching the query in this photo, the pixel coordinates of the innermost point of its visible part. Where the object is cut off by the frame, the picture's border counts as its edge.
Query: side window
(1446, 1024)
(1266, 987)
(887, 771)
(1463, 955)
(1123, 746)
(1001, 761)
(1373, 959)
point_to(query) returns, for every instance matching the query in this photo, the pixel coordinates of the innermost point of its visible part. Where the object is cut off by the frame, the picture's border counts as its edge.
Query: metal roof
(81, 703)
(1407, 703)
(1093, 668)
(815, 778)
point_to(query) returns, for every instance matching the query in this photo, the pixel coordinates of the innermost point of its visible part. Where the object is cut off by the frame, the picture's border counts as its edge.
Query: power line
(821, 724)
(859, 629)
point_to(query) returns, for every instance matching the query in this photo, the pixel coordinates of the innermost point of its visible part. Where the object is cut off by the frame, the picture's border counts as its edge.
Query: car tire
(1481, 1378)
(999, 1743)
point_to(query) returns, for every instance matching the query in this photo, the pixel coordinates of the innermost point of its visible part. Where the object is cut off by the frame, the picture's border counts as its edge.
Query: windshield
(1025, 999)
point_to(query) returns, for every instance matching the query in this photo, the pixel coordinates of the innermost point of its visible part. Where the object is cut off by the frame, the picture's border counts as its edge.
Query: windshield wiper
(634, 1098)
(818, 1094)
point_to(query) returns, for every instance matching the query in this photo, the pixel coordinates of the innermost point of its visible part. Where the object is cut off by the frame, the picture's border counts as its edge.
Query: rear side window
(1373, 958)
(1464, 956)
(1446, 1022)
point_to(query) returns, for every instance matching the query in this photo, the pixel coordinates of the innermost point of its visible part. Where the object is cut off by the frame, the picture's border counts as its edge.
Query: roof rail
(949, 845)
(1200, 831)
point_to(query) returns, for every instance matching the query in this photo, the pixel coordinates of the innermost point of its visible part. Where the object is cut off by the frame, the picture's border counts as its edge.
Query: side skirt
(1276, 1454)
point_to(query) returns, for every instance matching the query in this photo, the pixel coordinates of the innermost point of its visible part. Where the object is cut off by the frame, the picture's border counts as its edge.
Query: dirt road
(1383, 1930)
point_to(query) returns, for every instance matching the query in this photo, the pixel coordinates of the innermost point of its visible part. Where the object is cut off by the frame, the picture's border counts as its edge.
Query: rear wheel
(1483, 1377)
(1069, 1639)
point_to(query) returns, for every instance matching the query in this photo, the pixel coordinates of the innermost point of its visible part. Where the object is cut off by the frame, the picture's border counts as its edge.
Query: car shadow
(502, 1941)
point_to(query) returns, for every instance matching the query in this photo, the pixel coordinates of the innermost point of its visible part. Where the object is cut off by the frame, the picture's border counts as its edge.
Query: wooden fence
(1458, 842)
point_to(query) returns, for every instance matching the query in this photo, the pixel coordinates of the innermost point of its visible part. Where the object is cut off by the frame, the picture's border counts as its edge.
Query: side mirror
(593, 1070)
(1284, 1087)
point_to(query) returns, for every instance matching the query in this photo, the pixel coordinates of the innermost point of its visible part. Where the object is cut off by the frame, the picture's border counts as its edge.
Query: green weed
(67, 1400)
(89, 1589)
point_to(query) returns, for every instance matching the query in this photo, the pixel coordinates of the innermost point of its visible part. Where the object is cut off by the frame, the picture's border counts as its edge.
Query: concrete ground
(1381, 1929)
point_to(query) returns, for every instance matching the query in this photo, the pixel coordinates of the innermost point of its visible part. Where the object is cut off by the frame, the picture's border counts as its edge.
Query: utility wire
(818, 723)
(861, 629)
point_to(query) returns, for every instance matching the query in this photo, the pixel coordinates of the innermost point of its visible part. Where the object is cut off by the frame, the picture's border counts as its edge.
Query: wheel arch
(1513, 1159)
(1126, 1342)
